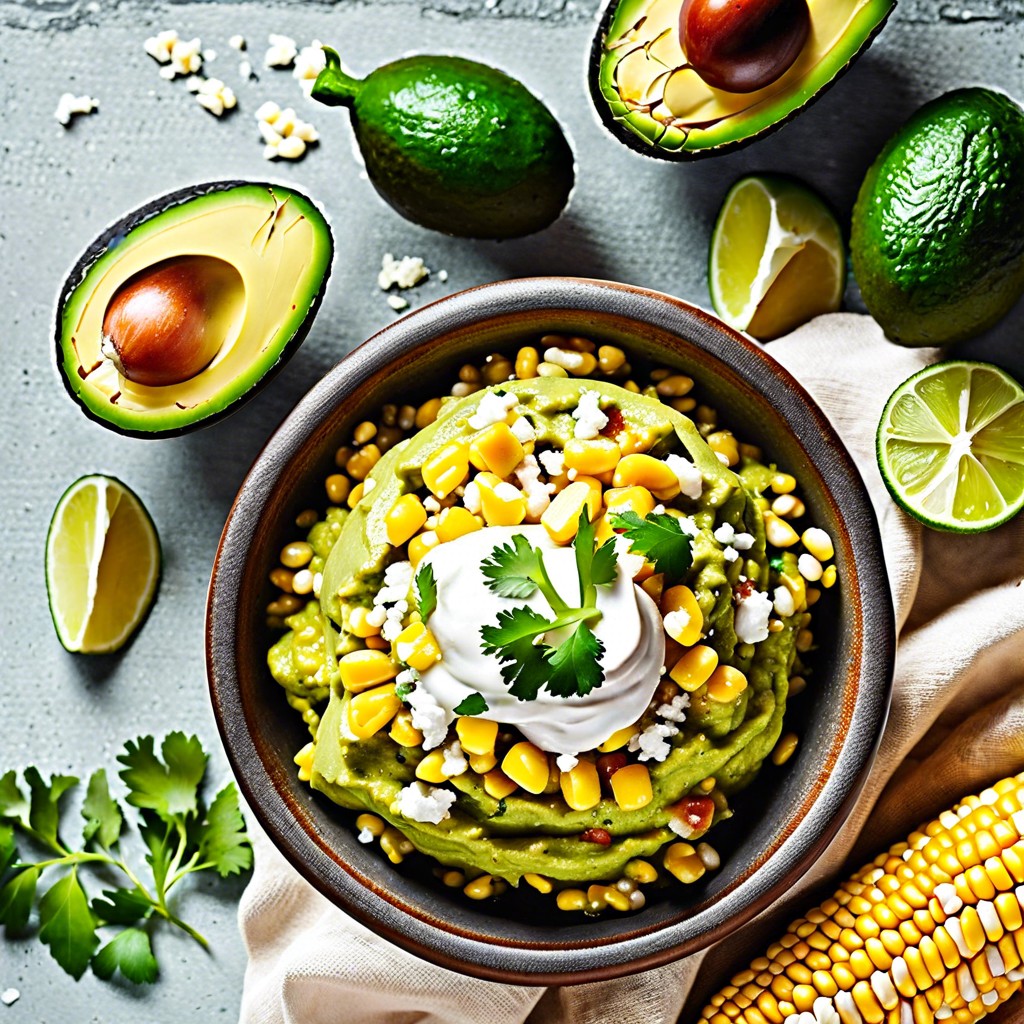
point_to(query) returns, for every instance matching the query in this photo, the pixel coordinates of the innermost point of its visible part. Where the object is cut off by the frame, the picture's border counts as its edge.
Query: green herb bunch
(182, 836)
(572, 668)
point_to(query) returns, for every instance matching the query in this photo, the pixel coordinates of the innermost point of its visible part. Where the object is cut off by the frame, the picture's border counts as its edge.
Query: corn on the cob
(929, 931)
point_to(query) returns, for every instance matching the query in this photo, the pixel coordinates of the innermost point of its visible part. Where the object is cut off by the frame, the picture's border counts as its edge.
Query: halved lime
(950, 446)
(777, 257)
(102, 564)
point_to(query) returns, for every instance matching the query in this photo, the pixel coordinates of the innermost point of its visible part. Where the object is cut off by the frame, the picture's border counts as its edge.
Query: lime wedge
(777, 257)
(102, 564)
(950, 446)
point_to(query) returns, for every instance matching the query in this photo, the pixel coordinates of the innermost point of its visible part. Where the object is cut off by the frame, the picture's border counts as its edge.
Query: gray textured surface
(631, 219)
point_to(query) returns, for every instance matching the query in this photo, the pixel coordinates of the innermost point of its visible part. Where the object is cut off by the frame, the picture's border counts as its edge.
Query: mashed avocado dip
(574, 756)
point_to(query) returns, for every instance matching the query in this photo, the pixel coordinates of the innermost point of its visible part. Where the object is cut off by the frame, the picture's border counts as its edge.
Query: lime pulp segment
(951, 446)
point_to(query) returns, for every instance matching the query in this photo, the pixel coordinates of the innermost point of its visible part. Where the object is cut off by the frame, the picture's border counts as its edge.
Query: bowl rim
(814, 825)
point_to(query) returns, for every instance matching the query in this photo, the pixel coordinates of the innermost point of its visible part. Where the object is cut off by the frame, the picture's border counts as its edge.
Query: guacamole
(701, 733)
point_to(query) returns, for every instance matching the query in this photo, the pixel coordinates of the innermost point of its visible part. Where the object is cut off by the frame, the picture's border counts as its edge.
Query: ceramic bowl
(782, 822)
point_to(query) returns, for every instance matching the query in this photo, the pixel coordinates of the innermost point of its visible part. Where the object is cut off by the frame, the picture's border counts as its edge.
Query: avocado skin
(936, 237)
(462, 148)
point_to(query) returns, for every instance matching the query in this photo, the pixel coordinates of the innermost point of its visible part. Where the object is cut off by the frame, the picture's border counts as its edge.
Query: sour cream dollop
(630, 629)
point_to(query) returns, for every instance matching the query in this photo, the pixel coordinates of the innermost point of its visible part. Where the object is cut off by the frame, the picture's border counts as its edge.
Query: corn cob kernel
(932, 930)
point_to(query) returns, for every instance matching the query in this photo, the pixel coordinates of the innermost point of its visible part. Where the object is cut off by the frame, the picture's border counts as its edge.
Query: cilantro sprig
(182, 835)
(572, 668)
(659, 538)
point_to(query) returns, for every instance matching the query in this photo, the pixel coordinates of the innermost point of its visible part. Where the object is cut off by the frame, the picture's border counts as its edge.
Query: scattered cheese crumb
(471, 497)
(245, 69)
(751, 619)
(688, 525)
(553, 462)
(675, 710)
(69, 105)
(523, 430)
(453, 761)
(566, 762)
(729, 553)
(493, 408)
(309, 62)
(420, 802)
(9, 996)
(365, 836)
(429, 717)
(397, 303)
(691, 480)
(653, 743)
(590, 421)
(442, 276)
(725, 534)
(212, 95)
(284, 134)
(405, 273)
(743, 541)
(281, 53)
(237, 42)
(528, 475)
(676, 621)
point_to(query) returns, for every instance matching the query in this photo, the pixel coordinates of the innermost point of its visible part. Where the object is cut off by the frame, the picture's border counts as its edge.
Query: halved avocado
(261, 254)
(651, 101)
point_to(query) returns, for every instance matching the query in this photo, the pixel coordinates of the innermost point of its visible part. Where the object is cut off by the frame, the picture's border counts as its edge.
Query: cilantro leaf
(129, 952)
(474, 704)
(660, 539)
(44, 812)
(575, 668)
(13, 803)
(170, 787)
(67, 926)
(605, 566)
(121, 906)
(583, 547)
(403, 689)
(102, 815)
(426, 591)
(16, 899)
(514, 624)
(514, 570)
(156, 835)
(222, 840)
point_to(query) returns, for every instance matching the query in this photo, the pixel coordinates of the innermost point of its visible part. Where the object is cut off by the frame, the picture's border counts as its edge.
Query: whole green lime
(937, 241)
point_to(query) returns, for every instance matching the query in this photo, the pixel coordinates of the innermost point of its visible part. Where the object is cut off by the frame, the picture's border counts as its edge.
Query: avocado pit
(743, 45)
(167, 323)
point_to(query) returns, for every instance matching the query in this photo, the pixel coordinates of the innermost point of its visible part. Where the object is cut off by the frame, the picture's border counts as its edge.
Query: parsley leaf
(103, 818)
(426, 591)
(67, 926)
(129, 952)
(167, 788)
(474, 704)
(222, 840)
(575, 665)
(8, 848)
(660, 539)
(12, 801)
(514, 570)
(44, 810)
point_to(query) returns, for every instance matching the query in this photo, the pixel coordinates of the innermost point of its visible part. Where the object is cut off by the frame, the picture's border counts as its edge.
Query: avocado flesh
(650, 102)
(455, 145)
(936, 237)
(278, 248)
(524, 834)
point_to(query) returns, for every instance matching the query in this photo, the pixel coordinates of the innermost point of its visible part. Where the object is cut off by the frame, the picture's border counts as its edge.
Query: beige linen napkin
(956, 725)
